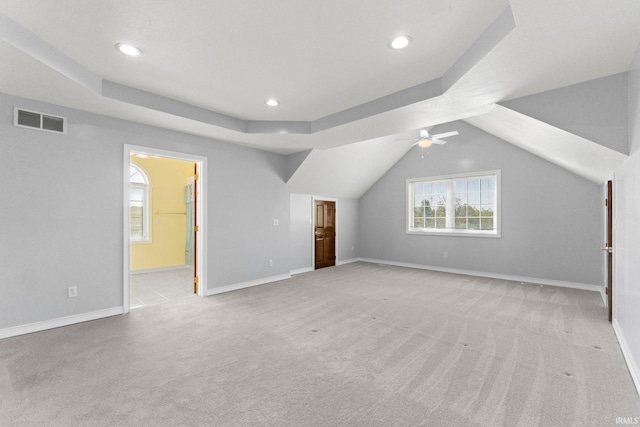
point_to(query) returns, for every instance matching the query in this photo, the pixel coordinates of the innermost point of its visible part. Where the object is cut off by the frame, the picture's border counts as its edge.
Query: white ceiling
(216, 62)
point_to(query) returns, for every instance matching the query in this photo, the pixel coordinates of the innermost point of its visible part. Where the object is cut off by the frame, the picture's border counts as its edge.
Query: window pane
(430, 223)
(135, 176)
(418, 212)
(488, 184)
(136, 195)
(460, 186)
(487, 211)
(418, 222)
(440, 222)
(440, 187)
(137, 225)
(461, 223)
(473, 198)
(487, 223)
(429, 211)
(461, 211)
(486, 198)
(473, 184)
(474, 223)
(473, 210)
(441, 211)
(461, 199)
(138, 204)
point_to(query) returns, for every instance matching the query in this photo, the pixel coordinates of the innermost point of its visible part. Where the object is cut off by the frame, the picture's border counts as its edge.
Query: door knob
(608, 249)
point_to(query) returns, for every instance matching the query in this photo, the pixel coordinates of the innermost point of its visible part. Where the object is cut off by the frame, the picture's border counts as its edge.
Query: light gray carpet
(355, 345)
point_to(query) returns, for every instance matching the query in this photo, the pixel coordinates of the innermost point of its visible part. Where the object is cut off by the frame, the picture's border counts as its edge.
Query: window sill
(139, 241)
(455, 233)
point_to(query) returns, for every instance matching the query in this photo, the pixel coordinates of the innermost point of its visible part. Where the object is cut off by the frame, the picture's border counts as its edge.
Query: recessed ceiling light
(273, 102)
(128, 49)
(400, 42)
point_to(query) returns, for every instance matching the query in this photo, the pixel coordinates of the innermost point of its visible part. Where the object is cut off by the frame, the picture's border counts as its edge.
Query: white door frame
(201, 213)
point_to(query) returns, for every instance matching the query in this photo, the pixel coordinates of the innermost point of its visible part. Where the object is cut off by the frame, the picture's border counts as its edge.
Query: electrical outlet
(446, 255)
(270, 263)
(275, 221)
(72, 291)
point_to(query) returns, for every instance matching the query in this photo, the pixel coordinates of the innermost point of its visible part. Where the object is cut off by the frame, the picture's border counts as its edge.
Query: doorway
(164, 221)
(325, 233)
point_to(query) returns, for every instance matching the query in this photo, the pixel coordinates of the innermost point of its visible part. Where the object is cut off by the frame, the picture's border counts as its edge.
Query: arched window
(139, 210)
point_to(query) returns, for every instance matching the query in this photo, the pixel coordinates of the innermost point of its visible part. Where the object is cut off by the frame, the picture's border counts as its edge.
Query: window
(464, 205)
(138, 204)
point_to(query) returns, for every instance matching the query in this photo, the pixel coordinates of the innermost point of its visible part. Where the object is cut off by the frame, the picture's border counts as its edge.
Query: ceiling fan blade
(444, 135)
(438, 141)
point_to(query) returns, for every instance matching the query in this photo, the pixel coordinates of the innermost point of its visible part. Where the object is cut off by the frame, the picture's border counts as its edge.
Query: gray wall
(595, 110)
(301, 231)
(347, 217)
(626, 239)
(551, 219)
(62, 205)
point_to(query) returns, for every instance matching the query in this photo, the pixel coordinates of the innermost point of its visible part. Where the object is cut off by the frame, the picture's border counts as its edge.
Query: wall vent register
(40, 121)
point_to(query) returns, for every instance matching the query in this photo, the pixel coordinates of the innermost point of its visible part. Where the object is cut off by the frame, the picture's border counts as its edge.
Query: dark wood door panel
(325, 234)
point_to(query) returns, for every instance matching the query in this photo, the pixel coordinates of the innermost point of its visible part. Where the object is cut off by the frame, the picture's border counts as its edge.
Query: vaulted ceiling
(208, 67)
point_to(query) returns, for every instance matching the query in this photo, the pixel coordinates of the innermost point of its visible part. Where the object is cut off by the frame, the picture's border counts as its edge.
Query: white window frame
(450, 230)
(146, 206)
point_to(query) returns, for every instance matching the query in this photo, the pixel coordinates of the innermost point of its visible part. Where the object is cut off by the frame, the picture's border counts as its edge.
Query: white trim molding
(626, 353)
(301, 270)
(347, 261)
(161, 269)
(538, 281)
(249, 284)
(603, 294)
(59, 322)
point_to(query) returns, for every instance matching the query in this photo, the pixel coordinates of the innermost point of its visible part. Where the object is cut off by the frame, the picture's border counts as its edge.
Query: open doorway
(164, 222)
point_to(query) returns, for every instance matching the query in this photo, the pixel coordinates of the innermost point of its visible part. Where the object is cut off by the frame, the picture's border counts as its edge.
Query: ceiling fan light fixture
(272, 102)
(128, 49)
(424, 143)
(400, 42)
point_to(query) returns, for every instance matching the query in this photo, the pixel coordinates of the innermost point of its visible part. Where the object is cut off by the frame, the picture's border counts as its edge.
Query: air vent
(40, 121)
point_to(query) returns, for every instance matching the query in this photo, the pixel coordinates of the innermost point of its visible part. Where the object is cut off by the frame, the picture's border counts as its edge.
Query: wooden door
(325, 233)
(608, 246)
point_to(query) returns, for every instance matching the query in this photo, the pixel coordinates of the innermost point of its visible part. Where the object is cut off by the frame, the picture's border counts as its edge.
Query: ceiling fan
(425, 140)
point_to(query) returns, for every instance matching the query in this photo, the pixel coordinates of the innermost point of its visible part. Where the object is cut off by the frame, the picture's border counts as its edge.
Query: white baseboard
(603, 294)
(310, 268)
(161, 269)
(634, 370)
(301, 270)
(59, 322)
(248, 284)
(538, 281)
(348, 261)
